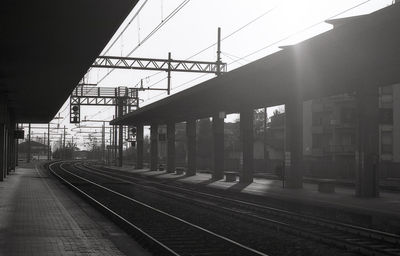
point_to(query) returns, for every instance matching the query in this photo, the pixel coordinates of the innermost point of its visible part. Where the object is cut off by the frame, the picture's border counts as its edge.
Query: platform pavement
(386, 205)
(39, 216)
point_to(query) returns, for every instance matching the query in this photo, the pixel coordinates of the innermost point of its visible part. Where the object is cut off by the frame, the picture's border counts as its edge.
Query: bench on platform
(179, 170)
(230, 176)
(326, 185)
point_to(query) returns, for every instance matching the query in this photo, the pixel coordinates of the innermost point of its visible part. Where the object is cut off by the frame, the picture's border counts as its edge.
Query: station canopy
(357, 51)
(46, 48)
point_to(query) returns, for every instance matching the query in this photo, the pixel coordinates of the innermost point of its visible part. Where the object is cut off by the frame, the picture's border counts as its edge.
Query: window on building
(347, 139)
(387, 142)
(386, 96)
(317, 118)
(317, 140)
(386, 90)
(347, 115)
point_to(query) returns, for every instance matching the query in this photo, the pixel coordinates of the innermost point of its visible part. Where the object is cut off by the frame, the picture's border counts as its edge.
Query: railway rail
(351, 238)
(159, 231)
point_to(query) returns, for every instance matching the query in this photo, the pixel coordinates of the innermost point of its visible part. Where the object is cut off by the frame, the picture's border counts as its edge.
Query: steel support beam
(167, 65)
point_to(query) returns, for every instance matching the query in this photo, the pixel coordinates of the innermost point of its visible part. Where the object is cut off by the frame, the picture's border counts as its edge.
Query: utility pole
(16, 147)
(119, 112)
(169, 74)
(48, 142)
(103, 141)
(219, 52)
(28, 160)
(72, 149)
(111, 143)
(63, 151)
(115, 130)
(265, 139)
(44, 142)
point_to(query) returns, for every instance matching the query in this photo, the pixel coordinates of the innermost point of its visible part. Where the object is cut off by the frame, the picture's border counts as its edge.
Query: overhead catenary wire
(212, 45)
(232, 57)
(125, 28)
(120, 34)
(254, 52)
(236, 31)
(160, 25)
(263, 48)
(300, 31)
(229, 35)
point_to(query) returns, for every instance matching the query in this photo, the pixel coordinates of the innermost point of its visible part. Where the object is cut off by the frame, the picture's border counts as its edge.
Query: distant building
(38, 150)
(329, 133)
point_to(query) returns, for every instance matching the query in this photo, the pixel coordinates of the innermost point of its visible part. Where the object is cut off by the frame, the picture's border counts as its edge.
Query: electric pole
(103, 141)
(63, 154)
(48, 142)
(111, 144)
(16, 147)
(28, 160)
(73, 148)
(218, 73)
(120, 105)
(265, 139)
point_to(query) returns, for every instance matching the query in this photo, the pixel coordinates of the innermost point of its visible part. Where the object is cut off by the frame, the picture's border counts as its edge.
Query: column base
(190, 173)
(246, 180)
(293, 184)
(217, 176)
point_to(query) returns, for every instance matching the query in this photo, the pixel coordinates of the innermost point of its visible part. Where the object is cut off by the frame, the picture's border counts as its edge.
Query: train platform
(381, 212)
(39, 216)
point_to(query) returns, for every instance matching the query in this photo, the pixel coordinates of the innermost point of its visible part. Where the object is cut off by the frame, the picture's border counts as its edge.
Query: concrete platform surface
(39, 216)
(387, 204)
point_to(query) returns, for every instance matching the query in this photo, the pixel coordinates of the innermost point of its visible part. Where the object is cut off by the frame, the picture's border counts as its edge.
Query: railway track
(157, 230)
(354, 239)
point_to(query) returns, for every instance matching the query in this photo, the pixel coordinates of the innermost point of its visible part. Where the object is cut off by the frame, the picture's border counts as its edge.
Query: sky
(250, 30)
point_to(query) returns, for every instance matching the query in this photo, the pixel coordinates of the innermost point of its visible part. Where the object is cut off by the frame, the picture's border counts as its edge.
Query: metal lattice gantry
(102, 96)
(168, 65)
(159, 64)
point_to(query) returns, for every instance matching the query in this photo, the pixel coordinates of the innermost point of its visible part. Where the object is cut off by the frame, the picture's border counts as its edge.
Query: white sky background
(194, 28)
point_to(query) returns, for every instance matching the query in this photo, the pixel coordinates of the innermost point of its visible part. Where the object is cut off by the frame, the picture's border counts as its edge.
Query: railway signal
(75, 116)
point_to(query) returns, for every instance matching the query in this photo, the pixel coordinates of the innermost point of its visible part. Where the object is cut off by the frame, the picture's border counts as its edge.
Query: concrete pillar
(11, 152)
(154, 147)
(2, 152)
(3, 121)
(139, 146)
(11, 145)
(247, 141)
(171, 147)
(367, 153)
(191, 146)
(293, 143)
(218, 146)
(6, 152)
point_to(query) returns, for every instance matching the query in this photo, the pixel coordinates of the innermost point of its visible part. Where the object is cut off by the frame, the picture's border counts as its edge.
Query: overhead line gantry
(124, 100)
